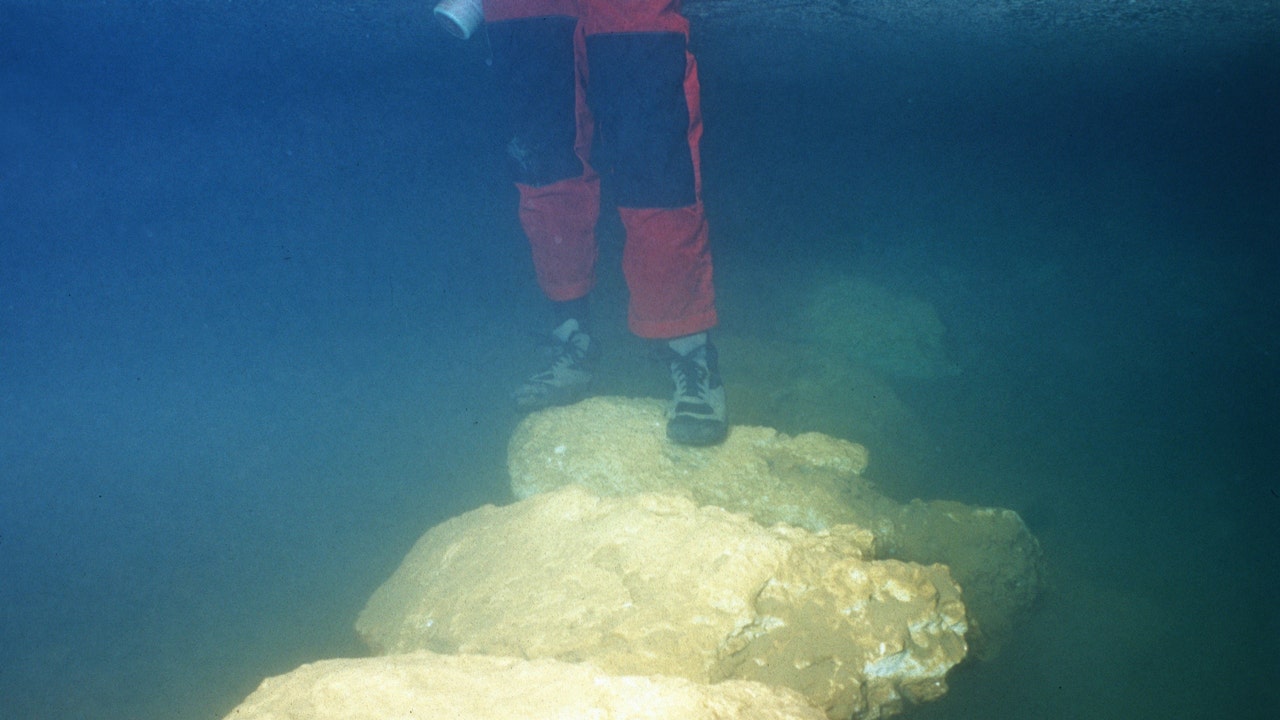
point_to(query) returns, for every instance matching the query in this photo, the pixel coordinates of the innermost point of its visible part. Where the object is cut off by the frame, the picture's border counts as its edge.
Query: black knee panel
(533, 65)
(636, 92)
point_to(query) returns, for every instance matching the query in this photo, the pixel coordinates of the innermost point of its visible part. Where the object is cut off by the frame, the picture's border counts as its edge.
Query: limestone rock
(616, 446)
(654, 584)
(899, 335)
(796, 386)
(989, 551)
(426, 685)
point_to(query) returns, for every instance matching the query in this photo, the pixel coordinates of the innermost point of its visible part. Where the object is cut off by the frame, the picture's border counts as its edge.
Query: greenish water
(263, 297)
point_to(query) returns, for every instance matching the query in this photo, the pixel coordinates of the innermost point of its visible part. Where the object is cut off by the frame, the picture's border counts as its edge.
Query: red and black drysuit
(622, 69)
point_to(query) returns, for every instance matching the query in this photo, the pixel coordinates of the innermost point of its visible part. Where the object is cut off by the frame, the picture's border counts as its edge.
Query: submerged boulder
(617, 446)
(897, 334)
(651, 583)
(473, 687)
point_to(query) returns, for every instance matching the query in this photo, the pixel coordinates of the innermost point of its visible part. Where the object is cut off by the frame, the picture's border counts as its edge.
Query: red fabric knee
(668, 270)
(560, 221)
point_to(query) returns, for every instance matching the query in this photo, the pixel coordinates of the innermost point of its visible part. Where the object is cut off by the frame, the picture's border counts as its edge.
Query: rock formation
(616, 446)
(648, 584)
(472, 687)
(898, 335)
(763, 578)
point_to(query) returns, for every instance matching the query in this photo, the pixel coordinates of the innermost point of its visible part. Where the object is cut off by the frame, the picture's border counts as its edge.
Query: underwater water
(263, 296)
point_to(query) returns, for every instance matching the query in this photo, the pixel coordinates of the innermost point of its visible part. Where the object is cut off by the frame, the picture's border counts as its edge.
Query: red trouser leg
(645, 97)
(668, 271)
(539, 58)
(560, 222)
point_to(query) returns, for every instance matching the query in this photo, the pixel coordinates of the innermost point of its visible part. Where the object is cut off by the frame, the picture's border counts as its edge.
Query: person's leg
(643, 91)
(537, 59)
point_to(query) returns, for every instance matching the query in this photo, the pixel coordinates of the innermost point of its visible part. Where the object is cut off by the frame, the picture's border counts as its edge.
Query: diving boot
(697, 413)
(568, 361)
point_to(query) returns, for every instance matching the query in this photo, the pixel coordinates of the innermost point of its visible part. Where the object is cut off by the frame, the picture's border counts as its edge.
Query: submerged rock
(899, 335)
(616, 446)
(650, 583)
(426, 685)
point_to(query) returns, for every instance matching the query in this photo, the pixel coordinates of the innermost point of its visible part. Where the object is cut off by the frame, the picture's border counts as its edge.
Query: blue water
(262, 295)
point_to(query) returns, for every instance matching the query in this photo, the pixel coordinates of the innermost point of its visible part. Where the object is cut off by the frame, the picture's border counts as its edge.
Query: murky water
(263, 297)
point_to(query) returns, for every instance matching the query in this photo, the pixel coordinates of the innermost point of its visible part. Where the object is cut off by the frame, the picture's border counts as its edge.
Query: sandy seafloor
(262, 297)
